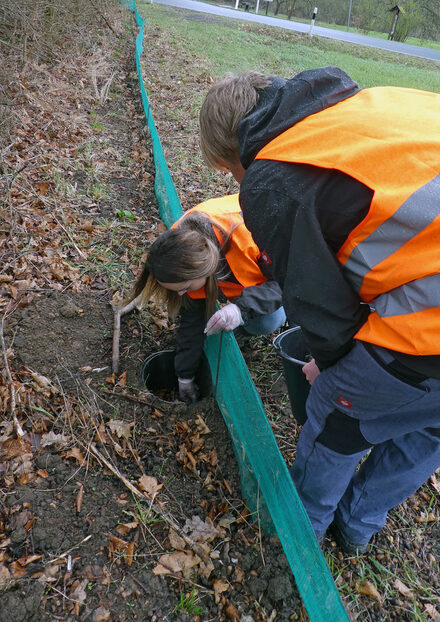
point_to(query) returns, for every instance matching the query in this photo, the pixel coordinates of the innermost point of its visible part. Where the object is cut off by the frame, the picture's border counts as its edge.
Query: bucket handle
(292, 360)
(286, 356)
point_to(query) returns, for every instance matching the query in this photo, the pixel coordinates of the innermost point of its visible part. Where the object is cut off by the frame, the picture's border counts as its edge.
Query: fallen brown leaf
(227, 486)
(201, 425)
(28, 559)
(202, 531)
(118, 543)
(197, 444)
(87, 225)
(102, 614)
(78, 594)
(435, 483)
(122, 380)
(426, 518)
(149, 485)
(180, 561)
(403, 589)
(129, 555)
(176, 541)
(17, 570)
(238, 575)
(13, 447)
(29, 524)
(124, 528)
(206, 568)
(219, 587)
(77, 454)
(368, 589)
(26, 478)
(101, 435)
(79, 498)
(432, 612)
(213, 459)
(232, 613)
(43, 382)
(5, 575)
(42, 188)
(121, 428)
(59, 440)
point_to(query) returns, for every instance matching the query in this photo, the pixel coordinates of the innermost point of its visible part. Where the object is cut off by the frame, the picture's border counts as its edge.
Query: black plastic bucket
(158, 373)
(293, 350)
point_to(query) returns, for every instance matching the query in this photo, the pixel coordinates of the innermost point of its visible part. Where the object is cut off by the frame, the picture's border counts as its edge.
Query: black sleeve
(300, 219)
(259, 300)
(190, 337)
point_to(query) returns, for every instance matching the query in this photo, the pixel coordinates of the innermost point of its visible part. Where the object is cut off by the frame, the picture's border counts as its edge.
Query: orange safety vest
(389, 139)
(243, 253)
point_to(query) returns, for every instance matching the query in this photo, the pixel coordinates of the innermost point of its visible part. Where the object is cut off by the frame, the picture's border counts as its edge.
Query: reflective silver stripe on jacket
(410, 298)
(416, 213)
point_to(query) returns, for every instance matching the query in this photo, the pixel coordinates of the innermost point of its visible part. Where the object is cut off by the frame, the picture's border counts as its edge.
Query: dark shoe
(350, 548)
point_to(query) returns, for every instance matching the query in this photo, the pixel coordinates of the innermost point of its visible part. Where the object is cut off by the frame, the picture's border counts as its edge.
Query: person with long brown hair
(208, 256)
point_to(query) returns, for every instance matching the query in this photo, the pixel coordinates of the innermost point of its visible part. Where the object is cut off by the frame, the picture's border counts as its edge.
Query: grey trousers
(357, 407)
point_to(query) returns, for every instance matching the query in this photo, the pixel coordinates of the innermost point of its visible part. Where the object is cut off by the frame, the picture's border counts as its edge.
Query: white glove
(188, 390)
(227, 318)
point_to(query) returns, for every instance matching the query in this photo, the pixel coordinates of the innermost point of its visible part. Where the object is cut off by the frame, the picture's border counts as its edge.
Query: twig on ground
(149, 399)
(18, 428)
(78, 250)
(101, 94)
(63, 555)
(260, 538)
(118, 312)
(105, 19)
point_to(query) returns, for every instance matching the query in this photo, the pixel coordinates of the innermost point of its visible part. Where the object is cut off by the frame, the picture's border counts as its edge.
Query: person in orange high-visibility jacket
(209, 255)
(340, 188)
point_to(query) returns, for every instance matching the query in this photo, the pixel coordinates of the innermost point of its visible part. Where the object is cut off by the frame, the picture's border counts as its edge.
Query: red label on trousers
(343, 402)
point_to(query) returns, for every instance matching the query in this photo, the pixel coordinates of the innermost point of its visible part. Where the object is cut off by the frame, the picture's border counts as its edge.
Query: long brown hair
(189, 251)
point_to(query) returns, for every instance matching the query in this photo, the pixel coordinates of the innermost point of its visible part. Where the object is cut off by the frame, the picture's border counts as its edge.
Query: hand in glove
(227, 318)
(188, 390)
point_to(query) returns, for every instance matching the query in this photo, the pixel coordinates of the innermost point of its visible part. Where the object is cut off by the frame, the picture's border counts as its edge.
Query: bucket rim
(205, 384)
(277, 346)
(153, 355)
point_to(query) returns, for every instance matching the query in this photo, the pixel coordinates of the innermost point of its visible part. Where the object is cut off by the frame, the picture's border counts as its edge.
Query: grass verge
(232, 45)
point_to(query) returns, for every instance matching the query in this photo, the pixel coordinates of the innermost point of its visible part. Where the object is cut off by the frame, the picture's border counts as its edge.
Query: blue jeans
(266, 324)
(397, 423)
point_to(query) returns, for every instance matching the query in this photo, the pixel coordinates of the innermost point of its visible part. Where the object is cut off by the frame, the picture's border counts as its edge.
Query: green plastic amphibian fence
(263, 472)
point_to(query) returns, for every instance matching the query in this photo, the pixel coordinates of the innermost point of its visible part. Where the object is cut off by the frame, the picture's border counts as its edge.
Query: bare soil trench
(115, 505)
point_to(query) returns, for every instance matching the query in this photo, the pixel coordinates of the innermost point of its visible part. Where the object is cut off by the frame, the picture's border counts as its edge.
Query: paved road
(341, 35)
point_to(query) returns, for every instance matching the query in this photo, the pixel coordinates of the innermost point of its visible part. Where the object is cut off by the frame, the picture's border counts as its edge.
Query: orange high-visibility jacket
(389, 139)
(243, 254)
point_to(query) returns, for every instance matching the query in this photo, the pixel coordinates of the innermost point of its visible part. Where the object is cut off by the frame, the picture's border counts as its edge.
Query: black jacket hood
(286, 102)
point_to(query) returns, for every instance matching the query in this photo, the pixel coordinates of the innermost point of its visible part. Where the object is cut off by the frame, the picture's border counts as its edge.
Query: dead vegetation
(113, 504)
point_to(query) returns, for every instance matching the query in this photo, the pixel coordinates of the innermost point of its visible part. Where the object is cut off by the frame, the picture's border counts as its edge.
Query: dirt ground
(107, 479)
(118, 505)
(77, 329)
